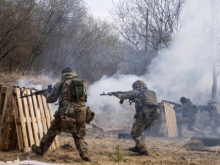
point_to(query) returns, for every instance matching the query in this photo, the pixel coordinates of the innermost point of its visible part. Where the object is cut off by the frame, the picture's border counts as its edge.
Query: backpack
(77, 89)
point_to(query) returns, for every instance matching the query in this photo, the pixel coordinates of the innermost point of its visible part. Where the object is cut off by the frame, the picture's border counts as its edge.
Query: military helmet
(139, 84)
(212, 102)
(183, 100)
(66, 70)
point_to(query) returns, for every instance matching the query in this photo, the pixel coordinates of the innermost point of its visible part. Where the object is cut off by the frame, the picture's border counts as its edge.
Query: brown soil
(102, 143)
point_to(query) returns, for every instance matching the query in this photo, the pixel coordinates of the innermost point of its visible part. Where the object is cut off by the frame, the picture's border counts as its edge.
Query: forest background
(44, 36)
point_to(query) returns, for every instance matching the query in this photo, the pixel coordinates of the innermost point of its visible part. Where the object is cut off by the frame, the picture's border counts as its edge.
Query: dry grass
(161, 150)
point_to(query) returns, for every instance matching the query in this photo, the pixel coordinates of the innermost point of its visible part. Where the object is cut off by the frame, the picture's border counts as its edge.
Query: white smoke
(183, 69)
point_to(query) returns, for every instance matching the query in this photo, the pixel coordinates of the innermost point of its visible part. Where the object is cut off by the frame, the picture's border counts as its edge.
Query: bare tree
(14, 15)
(147, 24)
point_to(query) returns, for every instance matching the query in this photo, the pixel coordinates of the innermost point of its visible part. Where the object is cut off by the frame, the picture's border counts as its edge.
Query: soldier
(71, 116)
(146, 112)
(214, 116)
(189, 111)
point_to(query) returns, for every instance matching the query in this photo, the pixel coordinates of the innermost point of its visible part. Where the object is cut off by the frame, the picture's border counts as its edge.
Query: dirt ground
(102, 143)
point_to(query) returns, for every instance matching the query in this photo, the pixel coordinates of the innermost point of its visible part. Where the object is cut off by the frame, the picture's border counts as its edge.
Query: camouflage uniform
(189, 111)
(70, 107)
(146, 111)
(214, 115)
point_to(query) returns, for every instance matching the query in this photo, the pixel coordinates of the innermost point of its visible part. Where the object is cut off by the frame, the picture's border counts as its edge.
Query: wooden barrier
(23, 121)
(166, 124)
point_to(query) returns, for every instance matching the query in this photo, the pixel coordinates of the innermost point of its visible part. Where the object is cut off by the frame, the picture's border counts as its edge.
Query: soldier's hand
(175, 107)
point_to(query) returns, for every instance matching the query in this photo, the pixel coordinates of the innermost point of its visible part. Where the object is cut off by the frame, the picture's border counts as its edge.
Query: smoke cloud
(183, 69)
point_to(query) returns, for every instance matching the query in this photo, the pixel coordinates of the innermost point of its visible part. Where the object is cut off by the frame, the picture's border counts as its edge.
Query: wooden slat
(51, 118)
(5, 145)
(47, 117)
(33, 118)
(21, 114)
(39, 101)
(38, 119)
(1, 104)
(5, 112)
(11, 136)
(171, 120)
(164, 126)
(27, 114)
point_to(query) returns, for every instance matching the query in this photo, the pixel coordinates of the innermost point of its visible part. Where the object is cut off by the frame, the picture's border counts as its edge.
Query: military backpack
(77, 89)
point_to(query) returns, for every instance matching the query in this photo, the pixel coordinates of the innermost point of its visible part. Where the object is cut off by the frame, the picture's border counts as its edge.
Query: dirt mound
(194, 144)
(67, 147)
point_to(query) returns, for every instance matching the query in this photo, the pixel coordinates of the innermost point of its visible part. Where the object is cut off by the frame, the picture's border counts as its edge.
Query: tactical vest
(190, 110)
(145, 97)
(72, 90)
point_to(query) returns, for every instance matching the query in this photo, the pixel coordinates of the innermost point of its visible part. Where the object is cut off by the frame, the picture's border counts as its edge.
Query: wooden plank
(5, 145)
(1, 103)
(43, 121)
(4, 89)
(33, 118)
(164, 126)
(38, 119)
(5, 112)
(17, 126)
(27, 114)
(170, 118)
(21, 114)
(11, 136)
(45, 108)
(51, 118)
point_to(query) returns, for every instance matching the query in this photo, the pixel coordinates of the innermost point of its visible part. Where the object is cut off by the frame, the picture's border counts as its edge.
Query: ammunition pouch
(68, 125)
(147, 112)
(89, 115)
(80, 115)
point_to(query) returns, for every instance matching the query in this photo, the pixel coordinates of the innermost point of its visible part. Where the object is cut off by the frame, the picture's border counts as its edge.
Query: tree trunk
(214, 85)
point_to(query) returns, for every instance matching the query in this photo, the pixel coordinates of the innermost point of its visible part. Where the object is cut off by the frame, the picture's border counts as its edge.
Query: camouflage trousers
(55, 129)
(143, 121)
(190, 122)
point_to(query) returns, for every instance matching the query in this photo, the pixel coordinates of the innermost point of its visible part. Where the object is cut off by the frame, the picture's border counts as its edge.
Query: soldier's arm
(128, 95)
(54, 95)
(180, 109)
(206, 108)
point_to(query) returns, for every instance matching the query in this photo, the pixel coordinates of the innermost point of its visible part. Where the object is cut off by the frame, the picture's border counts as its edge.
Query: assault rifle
(114, 93)
(175, 104)
(49, 89)
(205, 108)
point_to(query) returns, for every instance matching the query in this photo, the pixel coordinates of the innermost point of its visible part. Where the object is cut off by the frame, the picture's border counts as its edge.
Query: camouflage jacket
(56, 93)
(139, 99)
(188, 110)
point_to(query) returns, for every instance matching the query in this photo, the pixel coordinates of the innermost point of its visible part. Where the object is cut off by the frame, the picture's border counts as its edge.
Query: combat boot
(134, 149)
(85, 156)
(145, 153)
(37, 150)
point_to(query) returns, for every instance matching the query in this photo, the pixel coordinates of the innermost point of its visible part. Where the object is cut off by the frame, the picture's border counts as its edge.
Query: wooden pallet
(29, 116)
(166, 124)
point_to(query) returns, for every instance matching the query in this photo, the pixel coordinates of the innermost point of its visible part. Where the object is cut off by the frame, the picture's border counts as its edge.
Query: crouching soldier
(71, 116)
(214, 116)
(146, 112)
(189, 111)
